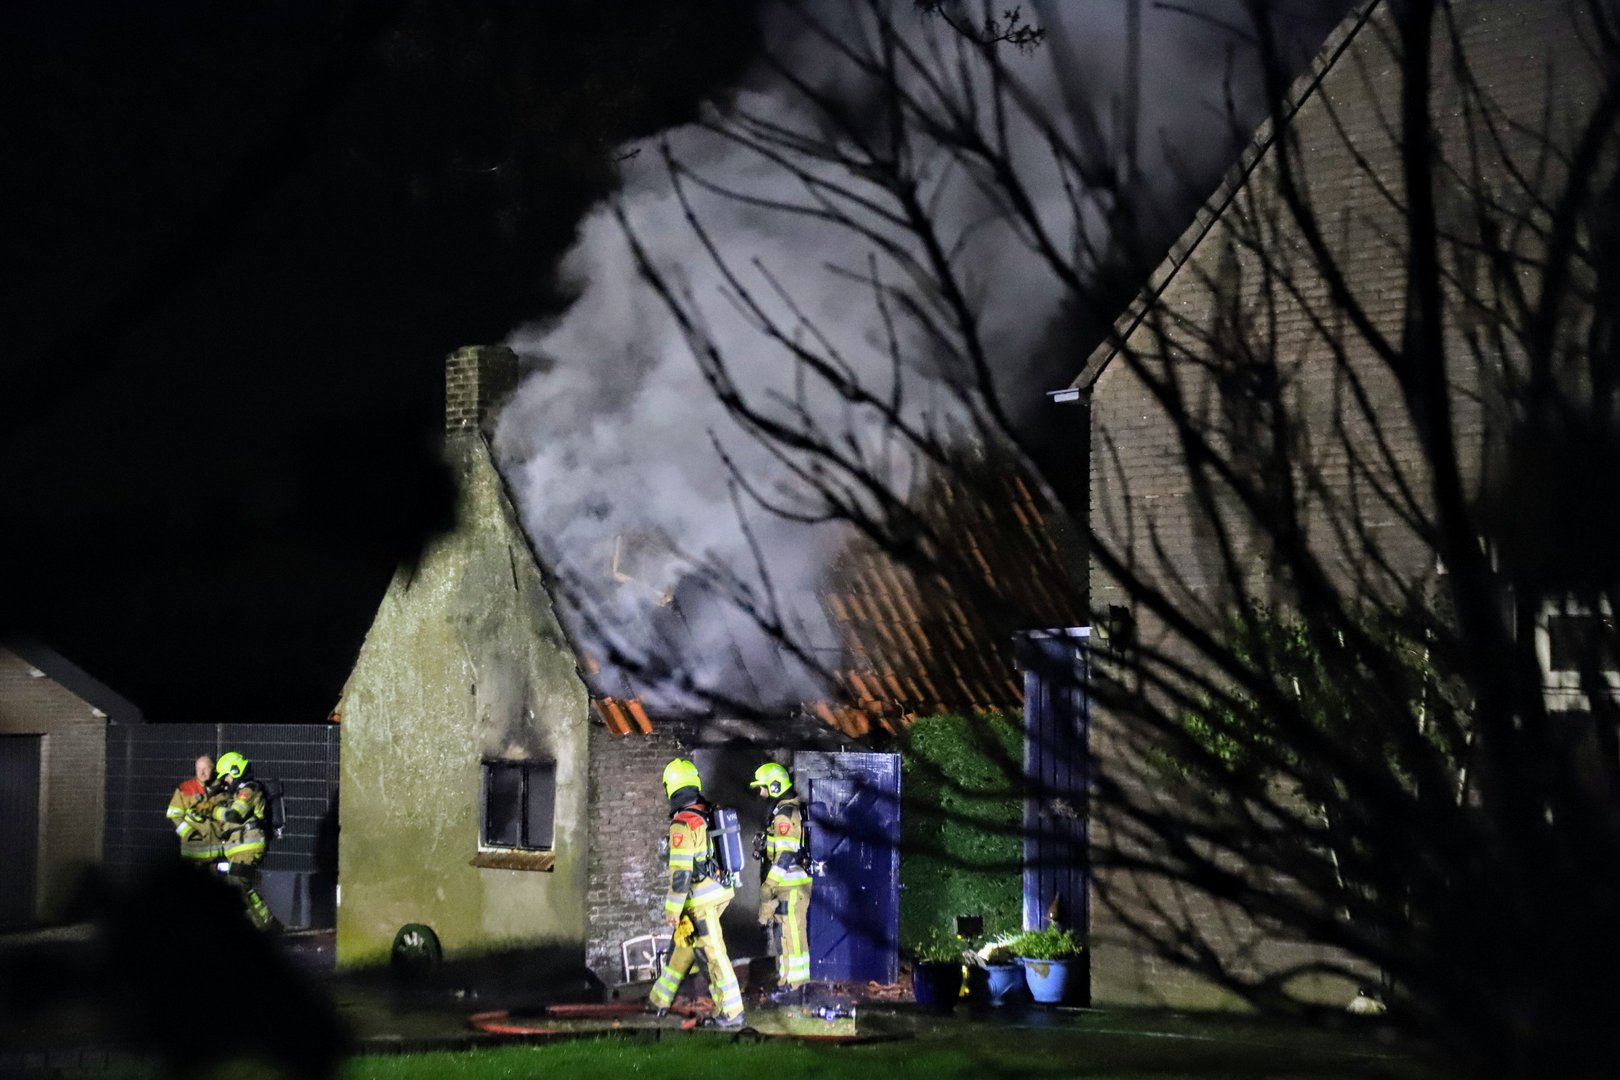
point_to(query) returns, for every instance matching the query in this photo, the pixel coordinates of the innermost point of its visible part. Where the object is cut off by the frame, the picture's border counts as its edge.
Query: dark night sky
(239, 241)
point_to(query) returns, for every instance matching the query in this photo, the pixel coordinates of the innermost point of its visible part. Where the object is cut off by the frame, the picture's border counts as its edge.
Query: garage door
(19, 827)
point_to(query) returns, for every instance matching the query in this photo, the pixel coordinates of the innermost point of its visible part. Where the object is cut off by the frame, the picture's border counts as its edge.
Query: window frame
(526, 768)
(1563, 689)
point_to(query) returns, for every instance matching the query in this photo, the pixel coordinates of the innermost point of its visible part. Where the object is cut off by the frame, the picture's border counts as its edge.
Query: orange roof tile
(910, 643)
(613, 716)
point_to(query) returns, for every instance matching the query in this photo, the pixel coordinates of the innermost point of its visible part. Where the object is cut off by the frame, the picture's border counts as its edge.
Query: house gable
(1142, 500)
(465, 663)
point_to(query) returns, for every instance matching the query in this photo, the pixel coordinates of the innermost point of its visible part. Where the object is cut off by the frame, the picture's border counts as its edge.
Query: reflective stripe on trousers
(793, 965)
(258, 912)
(711, 945)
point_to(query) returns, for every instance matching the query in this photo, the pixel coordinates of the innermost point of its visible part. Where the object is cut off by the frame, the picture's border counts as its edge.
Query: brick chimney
(477, 381)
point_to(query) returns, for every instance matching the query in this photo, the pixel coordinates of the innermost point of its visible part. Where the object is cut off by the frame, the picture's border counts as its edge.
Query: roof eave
(1299, 92)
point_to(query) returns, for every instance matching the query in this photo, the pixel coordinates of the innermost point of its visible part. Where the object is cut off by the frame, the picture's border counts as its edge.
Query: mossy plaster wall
(465, 660)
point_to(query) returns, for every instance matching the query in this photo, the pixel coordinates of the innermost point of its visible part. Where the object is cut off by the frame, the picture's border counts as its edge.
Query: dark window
(1575, 641)
(519, 804)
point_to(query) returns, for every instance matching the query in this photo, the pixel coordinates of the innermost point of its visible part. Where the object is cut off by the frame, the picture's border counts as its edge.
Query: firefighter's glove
(683, 933)
(767, 912)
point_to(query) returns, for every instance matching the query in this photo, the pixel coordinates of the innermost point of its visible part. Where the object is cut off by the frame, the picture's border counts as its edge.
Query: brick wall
(1139, 483)
(1142, 500)
(476, 381)
(628, 817)
(1129, 910)
(72, 771)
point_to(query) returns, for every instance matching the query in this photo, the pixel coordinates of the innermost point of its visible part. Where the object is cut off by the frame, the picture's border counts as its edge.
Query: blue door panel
(1057, 774)
(854, 818)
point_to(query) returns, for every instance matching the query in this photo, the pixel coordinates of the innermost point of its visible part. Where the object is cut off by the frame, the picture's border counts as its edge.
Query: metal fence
(145, 762)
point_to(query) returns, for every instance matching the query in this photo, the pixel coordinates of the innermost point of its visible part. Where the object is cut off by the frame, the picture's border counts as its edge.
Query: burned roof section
(880, 640)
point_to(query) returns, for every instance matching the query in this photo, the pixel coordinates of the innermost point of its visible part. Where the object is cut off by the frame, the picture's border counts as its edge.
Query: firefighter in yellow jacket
(244, 831)
(191, 815)
(784, 895)
(697, 894)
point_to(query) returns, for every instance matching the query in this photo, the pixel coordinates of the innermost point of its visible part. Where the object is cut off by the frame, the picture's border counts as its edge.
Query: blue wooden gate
(854, 818)
(1057, 770)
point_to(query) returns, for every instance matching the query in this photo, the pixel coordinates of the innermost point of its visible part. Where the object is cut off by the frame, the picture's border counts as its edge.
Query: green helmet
(232, 766)
(681, 773)
(773, 778)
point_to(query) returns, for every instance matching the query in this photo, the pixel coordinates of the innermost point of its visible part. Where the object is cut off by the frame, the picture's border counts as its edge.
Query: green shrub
(1001, 954)
(1049, 944)
(961, 819)
(939, 948)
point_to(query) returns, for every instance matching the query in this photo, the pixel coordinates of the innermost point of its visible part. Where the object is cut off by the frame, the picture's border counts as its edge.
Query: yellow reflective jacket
(190, 814)
(789, 863)
(244, 822)
(692, 880)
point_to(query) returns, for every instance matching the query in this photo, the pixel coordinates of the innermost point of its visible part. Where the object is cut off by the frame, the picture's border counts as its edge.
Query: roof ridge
(1210, 210)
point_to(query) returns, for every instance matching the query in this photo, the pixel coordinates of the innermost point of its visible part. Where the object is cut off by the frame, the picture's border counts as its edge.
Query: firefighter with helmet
(696, 895)
(244, 827)
(784, 895)
(191, 813)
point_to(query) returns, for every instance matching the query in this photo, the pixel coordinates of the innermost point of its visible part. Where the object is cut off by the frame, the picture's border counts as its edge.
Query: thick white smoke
(611, 446)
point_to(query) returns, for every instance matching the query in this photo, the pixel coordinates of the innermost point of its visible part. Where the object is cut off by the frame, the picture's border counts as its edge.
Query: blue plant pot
(1049, 980)
(936, 985)
(1006, 982)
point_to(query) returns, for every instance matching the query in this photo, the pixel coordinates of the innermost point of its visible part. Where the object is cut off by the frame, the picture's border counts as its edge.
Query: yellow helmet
(232, 766)
(773, 778)
(681, 773)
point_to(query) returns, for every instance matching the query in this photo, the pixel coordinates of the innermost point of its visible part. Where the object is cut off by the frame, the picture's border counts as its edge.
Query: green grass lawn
(1107, 1051)
(1113, 1045)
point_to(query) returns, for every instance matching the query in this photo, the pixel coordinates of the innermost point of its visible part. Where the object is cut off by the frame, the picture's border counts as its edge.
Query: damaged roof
(888, 641)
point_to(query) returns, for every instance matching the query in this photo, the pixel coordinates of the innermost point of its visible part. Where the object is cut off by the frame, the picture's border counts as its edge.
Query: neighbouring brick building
(53, 739)
(1527, 58)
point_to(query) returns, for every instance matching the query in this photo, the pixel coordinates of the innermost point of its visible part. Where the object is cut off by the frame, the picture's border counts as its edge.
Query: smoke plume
(614, 445)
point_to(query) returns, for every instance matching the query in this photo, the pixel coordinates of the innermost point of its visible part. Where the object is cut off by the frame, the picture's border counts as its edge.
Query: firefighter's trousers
(243, 876)
(790, 930)
(706, 941)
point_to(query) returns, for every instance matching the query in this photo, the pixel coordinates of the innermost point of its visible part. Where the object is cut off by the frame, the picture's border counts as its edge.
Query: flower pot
(936, 984)
(1050, 980)
(1006, 982)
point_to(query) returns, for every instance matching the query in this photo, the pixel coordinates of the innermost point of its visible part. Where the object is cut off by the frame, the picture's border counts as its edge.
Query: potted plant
(936, 976)
(1051, 959)
(1004, 974)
